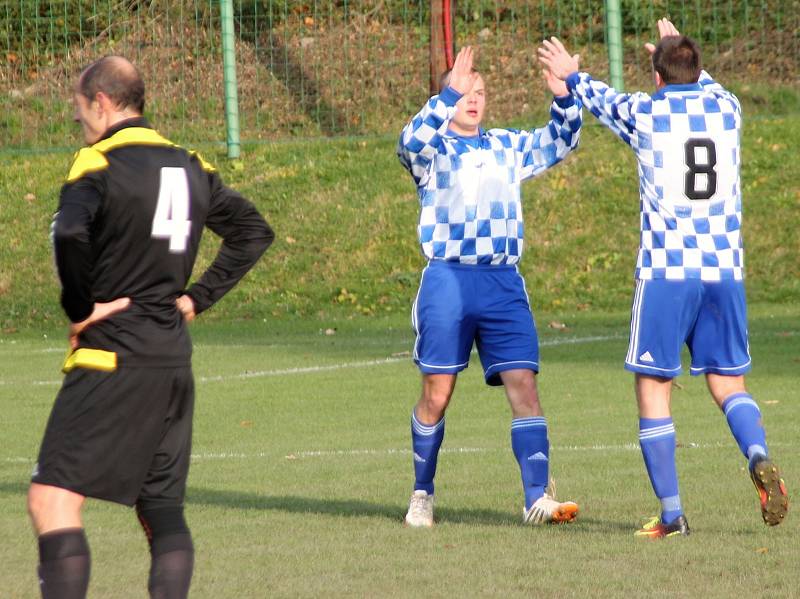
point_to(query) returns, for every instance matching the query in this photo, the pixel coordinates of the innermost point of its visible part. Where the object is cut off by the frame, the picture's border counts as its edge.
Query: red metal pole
(441, 47)
(448, 32)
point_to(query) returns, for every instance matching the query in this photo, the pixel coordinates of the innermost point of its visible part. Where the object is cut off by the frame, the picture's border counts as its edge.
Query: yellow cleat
(655, 529)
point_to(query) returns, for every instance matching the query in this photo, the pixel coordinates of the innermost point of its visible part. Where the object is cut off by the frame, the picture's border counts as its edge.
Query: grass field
(301, 471)
(346, 243)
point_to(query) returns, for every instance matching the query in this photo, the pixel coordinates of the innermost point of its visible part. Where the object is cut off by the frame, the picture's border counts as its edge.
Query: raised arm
(708, 84)
(542, 148)
(422, 136)
(614, 109)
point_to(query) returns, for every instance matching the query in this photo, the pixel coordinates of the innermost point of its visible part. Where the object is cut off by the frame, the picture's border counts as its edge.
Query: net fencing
(339, 67)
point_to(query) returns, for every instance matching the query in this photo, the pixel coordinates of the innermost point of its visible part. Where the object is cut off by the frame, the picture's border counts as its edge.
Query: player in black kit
(125, 237)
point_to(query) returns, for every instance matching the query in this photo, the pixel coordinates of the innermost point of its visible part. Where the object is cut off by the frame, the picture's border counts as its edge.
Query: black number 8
(690, 187)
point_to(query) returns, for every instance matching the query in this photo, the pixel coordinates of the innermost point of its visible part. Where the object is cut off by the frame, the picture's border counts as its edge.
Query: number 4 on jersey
(171, 220)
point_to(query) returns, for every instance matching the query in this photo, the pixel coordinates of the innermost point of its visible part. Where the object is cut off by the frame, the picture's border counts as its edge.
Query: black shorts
(120, 436)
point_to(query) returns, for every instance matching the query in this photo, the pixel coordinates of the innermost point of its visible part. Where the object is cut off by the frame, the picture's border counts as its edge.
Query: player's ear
(104, 103)
(658, 80)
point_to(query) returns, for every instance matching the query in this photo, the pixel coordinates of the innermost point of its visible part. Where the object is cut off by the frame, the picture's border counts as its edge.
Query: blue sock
(425, 443)
(532, 450)
(744, 420)
(657, 440)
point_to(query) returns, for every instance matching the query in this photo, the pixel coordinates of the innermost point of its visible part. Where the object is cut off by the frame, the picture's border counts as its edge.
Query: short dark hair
(677, 59)
(115, 77)
(444, 78)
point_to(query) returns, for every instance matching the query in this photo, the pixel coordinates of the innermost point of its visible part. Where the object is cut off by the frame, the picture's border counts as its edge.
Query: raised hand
(462, 78)
(556, 85)
(558, 61)
(665, 29)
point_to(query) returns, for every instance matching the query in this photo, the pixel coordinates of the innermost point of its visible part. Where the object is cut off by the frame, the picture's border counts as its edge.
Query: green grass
(345, 215)
(300, 478)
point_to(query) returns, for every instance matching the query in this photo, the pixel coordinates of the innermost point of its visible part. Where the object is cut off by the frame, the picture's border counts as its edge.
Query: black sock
(171, 566)
(64, 564)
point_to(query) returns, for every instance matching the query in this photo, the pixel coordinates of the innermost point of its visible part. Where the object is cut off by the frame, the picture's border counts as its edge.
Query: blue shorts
(709, 317)
(458, 304)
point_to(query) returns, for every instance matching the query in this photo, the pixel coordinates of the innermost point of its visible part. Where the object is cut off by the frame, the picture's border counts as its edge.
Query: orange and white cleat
(771, 491)
(547, 510)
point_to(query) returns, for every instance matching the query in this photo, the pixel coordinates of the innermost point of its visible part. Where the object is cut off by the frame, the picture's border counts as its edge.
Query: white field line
(350, 453)
(12, 346)
(340, 366)
(62, 349)
(300, 370)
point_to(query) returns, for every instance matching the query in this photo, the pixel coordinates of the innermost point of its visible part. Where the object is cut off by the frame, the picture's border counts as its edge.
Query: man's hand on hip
(101, 311)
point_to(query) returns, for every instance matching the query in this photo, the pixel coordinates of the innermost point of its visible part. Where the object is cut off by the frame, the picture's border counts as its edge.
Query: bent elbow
(66, 232)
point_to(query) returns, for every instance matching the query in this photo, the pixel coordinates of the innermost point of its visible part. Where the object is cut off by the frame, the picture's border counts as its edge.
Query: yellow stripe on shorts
(93, 359)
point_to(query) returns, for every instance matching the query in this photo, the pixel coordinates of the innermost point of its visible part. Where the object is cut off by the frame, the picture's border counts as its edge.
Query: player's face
(470, 109)
(89, 115)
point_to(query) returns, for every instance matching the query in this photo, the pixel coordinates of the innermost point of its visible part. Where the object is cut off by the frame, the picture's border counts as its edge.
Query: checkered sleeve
(708, 84)
(614, 109)
(422, 136)
(541, 148)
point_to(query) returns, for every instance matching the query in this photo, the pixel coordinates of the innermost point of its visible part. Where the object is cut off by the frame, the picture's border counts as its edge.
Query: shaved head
(117, 78)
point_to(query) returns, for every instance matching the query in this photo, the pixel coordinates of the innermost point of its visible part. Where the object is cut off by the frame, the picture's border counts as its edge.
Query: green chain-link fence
(338, 67)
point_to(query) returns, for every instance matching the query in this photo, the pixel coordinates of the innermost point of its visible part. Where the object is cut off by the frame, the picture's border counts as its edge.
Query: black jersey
(129, 223)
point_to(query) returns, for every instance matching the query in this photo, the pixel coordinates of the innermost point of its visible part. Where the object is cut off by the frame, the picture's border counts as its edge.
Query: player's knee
(53, 507)
(432, 407)
(165, 527)
(723, 386)
(42, 500)
(521, 387)
(36, 503)
(436, 391)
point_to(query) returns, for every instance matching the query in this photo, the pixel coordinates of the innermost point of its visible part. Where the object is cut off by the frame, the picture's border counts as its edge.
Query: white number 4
(171, 220)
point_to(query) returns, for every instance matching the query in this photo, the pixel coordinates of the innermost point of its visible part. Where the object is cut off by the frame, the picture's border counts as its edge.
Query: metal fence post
(614, 43)
(229, 78)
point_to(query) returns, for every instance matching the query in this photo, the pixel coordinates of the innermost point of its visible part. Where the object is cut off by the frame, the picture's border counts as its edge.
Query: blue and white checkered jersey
(686, 139)
(470, 210)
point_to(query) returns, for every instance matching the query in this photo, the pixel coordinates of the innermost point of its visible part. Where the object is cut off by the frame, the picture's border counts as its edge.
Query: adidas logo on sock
(646, 357)
(418, 458)
(537, 456)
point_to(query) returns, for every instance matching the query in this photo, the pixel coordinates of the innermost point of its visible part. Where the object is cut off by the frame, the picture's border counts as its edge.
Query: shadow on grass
(17, 487)
(594, 526)
(302, 85)
(349, 508)
(355, 508)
